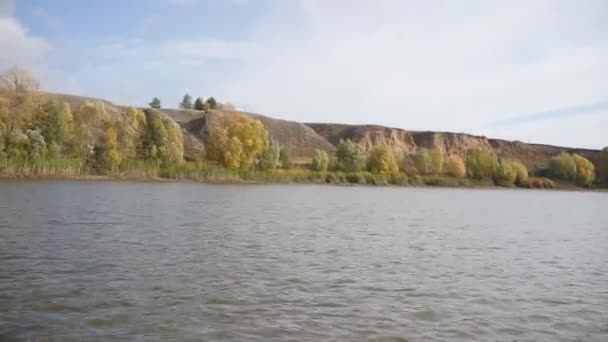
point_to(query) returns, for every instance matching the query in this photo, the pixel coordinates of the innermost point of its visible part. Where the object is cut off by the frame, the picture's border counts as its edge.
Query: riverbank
(217, 175)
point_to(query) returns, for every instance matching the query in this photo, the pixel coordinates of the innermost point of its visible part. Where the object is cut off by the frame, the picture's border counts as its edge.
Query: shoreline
(118, 179)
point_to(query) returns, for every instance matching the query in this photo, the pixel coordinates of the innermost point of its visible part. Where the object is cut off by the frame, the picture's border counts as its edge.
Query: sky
(534, 71)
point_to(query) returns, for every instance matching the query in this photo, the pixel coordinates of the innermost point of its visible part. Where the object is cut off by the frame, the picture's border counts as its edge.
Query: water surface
(191, 262)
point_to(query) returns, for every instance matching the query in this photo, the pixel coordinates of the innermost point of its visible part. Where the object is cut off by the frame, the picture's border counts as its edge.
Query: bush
(481, 163)
(335, 178)
(422, 161)
(320, 161)
(585, 171)
(436, 156)
(505, 173)
(270, 157)
(521, 170)
(35, 144)
(350, 156)
(455, 167)
(382, 161)
(285, 158)
(538, 183)
(563, 167)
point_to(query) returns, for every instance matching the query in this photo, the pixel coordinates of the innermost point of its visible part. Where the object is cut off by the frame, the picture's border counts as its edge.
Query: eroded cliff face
(405, 143)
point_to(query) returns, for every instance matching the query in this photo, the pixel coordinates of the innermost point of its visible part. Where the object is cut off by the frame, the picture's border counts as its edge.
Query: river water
(87, 261)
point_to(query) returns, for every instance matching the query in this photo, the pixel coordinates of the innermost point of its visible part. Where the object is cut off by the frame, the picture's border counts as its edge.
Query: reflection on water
(146, 261)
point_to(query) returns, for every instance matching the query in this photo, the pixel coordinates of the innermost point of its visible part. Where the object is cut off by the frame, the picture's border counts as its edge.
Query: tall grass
(24, 167)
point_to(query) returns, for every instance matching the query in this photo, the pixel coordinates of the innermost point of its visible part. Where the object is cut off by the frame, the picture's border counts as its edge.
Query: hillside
(302, 139)
(405, 142)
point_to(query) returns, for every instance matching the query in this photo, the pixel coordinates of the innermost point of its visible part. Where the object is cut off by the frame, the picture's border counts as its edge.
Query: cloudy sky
(533, 70)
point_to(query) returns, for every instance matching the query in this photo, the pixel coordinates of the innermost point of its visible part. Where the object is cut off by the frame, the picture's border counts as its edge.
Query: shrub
(521, 170)
(585, 171)
(350, 156)
(563, 167)
(382, 161)
(436, 157)
(320, 161)
(538, 183)
(455, 167)
(270, 157)
(481, 163)
(422, 161)
(505, 173)
(285, 158)
(35, 144)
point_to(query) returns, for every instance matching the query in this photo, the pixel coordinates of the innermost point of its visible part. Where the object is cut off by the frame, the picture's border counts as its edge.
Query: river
(100, 260)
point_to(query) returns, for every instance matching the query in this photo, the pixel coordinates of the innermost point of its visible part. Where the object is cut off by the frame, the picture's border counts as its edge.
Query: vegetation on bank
(40, 136)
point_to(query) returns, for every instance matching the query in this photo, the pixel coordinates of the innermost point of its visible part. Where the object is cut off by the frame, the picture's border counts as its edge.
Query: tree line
(35, 128)
(187, 103)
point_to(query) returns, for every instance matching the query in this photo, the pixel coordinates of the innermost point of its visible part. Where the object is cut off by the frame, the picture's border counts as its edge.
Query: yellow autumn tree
(585, 170)
(236, 141)
(436, 159)
(107, 151)
(455, 166)
(382, 161)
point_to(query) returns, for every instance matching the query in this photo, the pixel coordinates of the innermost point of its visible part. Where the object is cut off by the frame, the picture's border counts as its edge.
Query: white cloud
(421, 65)
(17, 46)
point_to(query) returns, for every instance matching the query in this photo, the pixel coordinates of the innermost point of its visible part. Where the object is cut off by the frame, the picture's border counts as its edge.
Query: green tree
(285, 158)
(423, 162)
(455, 166)
(186, 102)
(155, 103)
(199, 104)
(35, 144)
(585, 171)
(236, 141)
(212, 103)
(350, 156)
(382, 161)
(320, 161)
(55, 123)
(505, 173)
(163, 139)
(481, 162)
(563, 167)
(269, 159)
